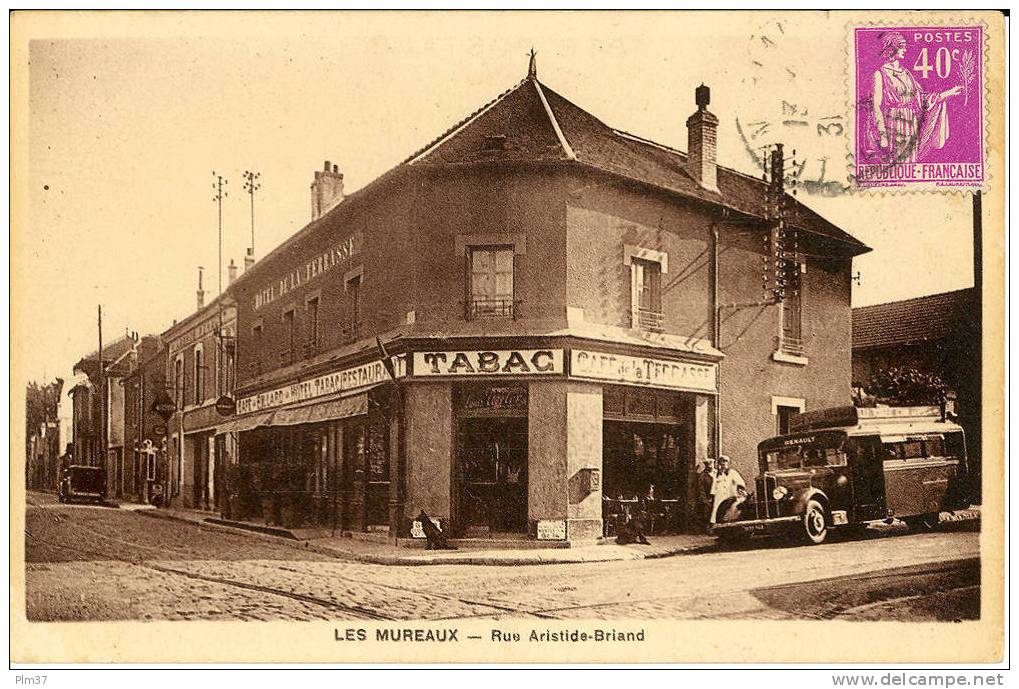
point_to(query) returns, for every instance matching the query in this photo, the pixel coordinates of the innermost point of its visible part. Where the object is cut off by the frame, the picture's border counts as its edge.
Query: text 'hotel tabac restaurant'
(572, 317)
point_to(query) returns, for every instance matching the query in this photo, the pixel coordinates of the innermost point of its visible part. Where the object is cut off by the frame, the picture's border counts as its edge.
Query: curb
(408, 561)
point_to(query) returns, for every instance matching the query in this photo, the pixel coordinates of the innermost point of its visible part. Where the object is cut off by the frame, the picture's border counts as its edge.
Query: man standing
(705, 480)
(727, 484)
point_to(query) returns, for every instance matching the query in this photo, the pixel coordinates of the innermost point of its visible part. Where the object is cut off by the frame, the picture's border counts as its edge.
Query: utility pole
(251, 185)
(218, 198)
(102, 394)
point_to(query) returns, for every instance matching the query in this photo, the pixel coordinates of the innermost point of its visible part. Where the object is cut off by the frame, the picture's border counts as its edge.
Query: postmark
(918, 96)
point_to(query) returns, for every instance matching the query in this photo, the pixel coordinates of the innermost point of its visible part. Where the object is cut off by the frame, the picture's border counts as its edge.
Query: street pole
(102, 395)
(218, 198)
(251, 185)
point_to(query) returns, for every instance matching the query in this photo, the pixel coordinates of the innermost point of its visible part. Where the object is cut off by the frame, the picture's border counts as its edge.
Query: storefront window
(378, 452)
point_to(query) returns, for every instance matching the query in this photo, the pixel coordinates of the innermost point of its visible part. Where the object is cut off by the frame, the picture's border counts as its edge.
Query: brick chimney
(231, 272)
(249, 259)
(702, 130)
(200, 293)
(326, 190)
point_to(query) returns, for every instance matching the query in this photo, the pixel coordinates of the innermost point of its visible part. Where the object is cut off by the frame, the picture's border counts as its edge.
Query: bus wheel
(815, 523)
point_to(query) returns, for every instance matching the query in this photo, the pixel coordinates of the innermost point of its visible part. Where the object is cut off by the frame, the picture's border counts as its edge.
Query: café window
(490, 282)
(791, 335)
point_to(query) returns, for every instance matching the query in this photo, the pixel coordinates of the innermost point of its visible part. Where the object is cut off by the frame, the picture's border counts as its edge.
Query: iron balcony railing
(351, 332)
(310, 347)
(648, 319)
(792, 345)
(286, 356)
(485, 307)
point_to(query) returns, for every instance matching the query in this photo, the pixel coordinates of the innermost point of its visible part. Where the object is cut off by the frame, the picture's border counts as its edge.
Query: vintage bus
(845, 467)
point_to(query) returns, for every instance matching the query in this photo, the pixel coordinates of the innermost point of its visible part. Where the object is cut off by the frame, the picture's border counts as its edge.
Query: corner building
(547, 288)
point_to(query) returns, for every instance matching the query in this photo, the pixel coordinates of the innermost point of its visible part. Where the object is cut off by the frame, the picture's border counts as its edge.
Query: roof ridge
(446, 135)
(858, 309)
(554, 122)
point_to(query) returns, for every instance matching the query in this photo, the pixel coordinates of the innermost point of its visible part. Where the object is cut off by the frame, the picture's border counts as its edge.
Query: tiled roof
(525, 124)
(532, 123)
(911, 321)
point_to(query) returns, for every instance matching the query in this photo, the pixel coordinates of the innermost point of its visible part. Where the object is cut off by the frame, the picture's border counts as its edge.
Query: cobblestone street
(96, 563)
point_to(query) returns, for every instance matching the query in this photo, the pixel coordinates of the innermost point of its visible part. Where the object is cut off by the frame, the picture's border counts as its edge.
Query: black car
(82, 483)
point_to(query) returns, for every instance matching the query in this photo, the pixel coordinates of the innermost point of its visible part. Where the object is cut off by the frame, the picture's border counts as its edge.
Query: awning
(328, 410)
(339, 408)
(245, 423)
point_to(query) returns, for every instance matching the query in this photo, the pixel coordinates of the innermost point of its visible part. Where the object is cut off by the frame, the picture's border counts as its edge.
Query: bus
(846, 467)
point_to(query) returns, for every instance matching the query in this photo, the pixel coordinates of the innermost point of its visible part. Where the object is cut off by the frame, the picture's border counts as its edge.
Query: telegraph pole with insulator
(251, 185)
(218, 199)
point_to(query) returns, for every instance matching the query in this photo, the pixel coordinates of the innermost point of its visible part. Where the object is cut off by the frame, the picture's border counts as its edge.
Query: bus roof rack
(836, 417)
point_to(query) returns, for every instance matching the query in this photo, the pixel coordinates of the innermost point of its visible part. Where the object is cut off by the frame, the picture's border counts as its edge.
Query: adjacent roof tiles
(913, 321)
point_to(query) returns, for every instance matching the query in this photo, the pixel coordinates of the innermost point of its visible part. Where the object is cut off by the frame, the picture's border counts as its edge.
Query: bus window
(814, 457)
(935, 446)
(909, 449)
(835, 457)
(786, 458)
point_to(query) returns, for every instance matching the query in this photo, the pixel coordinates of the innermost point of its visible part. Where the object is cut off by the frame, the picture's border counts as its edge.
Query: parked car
(82, 483)
(847, 466)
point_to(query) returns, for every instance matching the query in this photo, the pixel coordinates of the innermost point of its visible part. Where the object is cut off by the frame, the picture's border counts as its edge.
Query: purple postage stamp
(919, 106)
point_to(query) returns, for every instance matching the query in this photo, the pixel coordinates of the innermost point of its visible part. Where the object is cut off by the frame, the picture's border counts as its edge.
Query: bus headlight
(780, 492)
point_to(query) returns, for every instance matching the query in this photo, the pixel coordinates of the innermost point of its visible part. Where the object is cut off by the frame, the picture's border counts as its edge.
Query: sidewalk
(385, 553)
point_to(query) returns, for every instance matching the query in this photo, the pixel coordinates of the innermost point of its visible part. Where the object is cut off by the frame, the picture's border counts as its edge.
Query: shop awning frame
(330, 409)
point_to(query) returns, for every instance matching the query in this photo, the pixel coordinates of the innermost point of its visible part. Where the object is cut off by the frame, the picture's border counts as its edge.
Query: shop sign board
(346, 380)
(504, 362)
(657, 373)
(551, 530)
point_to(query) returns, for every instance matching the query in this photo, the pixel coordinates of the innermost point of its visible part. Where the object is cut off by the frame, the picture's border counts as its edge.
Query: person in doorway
(727, 483)
(705, 481)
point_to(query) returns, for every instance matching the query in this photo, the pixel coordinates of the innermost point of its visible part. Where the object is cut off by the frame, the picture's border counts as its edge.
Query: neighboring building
(938, 333)
(145, 432)
(42, 433)
(545, 285)
(87, 393)
(91, 410)
(199, 370)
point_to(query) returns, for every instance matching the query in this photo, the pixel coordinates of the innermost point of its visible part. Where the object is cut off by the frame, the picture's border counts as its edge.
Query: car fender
(806, 495)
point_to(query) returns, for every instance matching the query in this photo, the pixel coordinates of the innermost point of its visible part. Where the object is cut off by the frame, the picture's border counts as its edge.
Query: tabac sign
(656, 373)
(347, 380)
(507, 362)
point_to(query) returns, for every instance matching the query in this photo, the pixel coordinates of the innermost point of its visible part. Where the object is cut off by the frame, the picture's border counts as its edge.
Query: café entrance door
(493, 475)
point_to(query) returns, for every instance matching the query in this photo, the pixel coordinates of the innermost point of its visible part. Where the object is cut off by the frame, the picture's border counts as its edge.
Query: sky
(129, 115)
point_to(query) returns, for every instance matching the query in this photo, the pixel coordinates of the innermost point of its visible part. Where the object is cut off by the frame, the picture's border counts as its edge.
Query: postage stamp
(919, 106)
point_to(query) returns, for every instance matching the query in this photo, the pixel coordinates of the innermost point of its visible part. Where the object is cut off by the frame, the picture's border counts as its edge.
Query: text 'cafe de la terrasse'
(575, 319)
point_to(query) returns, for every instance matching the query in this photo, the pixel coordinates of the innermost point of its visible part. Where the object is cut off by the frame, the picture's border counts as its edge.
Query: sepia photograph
(478, 337)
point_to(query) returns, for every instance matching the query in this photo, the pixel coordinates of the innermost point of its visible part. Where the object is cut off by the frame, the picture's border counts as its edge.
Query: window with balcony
(199, 376)
(311, 337)
(791, 335)
(257, 348)
(352, 327)
(178, 381)
(646, 294)
(490, 282)
(289, 338)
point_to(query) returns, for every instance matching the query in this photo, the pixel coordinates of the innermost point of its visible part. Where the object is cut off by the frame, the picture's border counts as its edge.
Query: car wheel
(815, 523)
